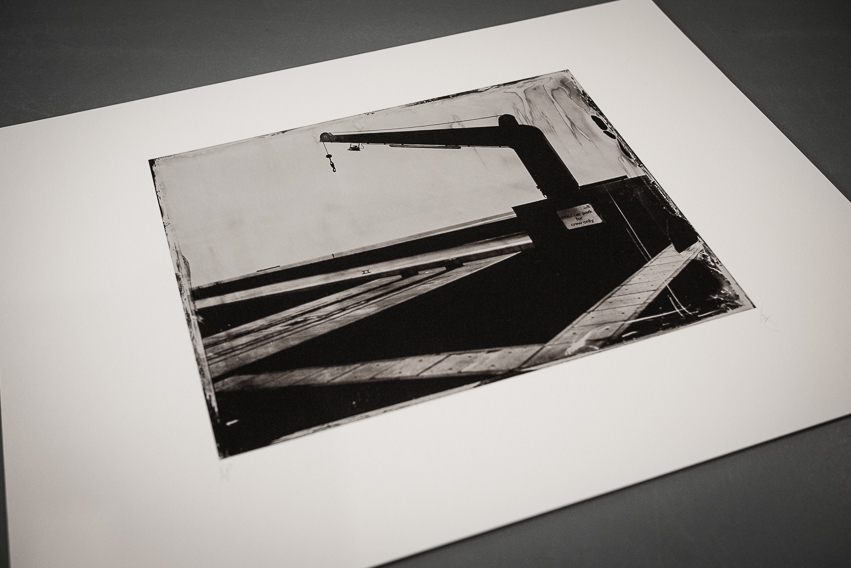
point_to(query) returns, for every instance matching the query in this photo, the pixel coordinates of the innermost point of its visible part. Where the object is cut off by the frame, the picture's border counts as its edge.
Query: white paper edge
(109, 456)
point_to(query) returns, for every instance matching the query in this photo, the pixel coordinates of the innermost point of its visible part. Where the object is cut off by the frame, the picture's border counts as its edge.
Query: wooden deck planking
(431, 260)
(325, 375)
(601, 316)
(603, 322)
(410, 366)
(286, 315)
(236, 383)
(265, 380)
(629, 299)
(281, 379)
(288, 327)
(666, 260)
(291, 377)
(300, 319)
(365, 372)
(253, 347)
(609, 318)
(650, 275)
(419, 287)
(479, 362)
(453, 364)
(502, 360)
(548, 354)
(482, 362)
(634, 288)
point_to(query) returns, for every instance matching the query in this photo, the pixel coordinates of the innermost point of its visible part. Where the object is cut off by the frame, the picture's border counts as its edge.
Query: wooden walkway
(606, 321)
(602, 325)
(426, 261)
(251, 342)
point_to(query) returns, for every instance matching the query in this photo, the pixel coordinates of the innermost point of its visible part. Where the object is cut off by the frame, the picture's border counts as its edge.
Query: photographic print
(336, 271)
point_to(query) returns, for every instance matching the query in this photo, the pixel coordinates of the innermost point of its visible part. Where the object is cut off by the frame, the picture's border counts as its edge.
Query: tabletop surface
(783, 503)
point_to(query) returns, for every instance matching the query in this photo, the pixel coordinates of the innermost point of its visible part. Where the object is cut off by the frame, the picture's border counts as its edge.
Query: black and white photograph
(393, 284)
(337, 271)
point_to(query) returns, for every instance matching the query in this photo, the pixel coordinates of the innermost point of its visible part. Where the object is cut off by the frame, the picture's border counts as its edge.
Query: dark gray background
(783, 503)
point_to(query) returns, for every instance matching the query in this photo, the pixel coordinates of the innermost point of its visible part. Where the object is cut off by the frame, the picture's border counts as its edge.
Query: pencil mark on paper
(767, 321)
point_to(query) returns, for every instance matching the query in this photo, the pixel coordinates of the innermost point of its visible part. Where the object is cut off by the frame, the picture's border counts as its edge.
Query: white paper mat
(110, 460)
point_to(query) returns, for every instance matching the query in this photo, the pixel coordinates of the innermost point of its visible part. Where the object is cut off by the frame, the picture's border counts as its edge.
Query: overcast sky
(274, 200)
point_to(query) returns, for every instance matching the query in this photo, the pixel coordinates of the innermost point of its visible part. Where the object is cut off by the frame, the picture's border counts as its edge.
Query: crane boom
(536, 153)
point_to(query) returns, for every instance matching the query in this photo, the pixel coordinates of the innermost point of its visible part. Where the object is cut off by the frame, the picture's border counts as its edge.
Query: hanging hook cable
(330, 161)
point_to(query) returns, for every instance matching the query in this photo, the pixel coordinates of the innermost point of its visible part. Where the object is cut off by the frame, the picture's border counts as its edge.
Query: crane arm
(483, 137)
(542, 162)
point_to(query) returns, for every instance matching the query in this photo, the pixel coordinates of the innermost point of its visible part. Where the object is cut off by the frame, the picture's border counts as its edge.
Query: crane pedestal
(597, 237)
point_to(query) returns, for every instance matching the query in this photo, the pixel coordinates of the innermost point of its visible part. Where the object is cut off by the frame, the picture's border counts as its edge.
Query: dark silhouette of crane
(553, 178)
(542, 162)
